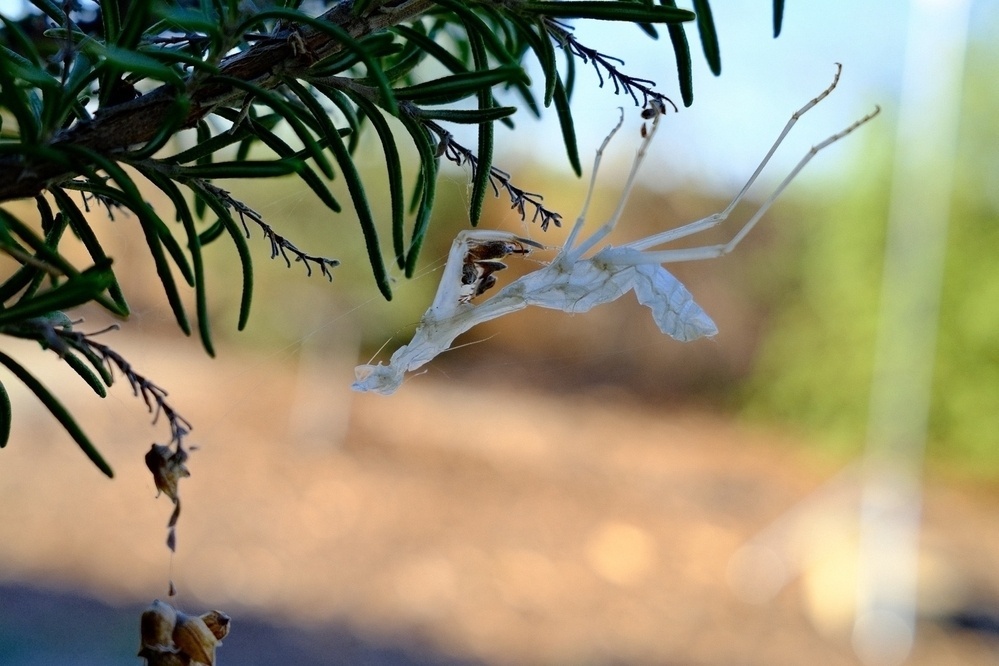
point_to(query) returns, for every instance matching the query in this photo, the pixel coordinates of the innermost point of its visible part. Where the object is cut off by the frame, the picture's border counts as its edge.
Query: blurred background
(581, 489)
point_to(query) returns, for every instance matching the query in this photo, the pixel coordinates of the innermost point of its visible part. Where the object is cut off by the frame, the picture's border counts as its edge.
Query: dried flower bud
(217, 623)
(195, 639)
(172, 638)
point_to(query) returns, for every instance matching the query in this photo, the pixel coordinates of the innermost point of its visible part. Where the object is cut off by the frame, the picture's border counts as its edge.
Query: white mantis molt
(573, 282)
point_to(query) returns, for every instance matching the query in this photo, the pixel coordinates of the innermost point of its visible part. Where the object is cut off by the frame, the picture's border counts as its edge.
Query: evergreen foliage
(93, 94)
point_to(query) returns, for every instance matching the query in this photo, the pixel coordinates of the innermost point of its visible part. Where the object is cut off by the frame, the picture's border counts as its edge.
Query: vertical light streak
(891, 503)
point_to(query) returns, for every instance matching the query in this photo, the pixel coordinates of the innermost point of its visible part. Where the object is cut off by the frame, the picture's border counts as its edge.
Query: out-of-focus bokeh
(560, 489)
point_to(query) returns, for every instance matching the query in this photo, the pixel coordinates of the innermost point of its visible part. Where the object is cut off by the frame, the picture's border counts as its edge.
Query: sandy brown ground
(489, 523)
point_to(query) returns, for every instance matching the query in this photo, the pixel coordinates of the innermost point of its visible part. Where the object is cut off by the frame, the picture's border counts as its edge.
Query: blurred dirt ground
(483, 523)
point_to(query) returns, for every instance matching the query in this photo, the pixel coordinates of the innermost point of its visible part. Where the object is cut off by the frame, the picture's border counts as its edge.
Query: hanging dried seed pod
(172, 638)
(195, 639)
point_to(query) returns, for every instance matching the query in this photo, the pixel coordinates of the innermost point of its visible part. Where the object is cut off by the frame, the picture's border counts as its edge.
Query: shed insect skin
(581, 276)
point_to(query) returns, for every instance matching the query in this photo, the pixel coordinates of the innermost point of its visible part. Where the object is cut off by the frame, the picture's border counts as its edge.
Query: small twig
(279, 244)
(562, 34)
(153, 395)
(55, 333)
(87, 195)
(108, 203)
(498, 179)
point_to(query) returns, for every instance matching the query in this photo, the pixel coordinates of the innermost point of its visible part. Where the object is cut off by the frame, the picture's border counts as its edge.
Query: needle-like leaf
(6, 416)
(681, 51)
(566, 123)
(428, 170)
(709, 36)
(393, 164)
(354, 186)
(603, 10)
(58, 411)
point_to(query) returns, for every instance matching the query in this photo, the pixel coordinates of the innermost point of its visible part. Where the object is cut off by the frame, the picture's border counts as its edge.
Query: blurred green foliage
(816, 361)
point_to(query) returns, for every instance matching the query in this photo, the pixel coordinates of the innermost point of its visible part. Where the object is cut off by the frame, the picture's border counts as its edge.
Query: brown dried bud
(195, 639)
(217, 623)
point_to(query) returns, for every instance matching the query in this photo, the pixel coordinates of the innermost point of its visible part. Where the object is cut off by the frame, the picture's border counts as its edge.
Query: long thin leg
(712, 251)
(578, 226)
(717, 218)
(572, 254)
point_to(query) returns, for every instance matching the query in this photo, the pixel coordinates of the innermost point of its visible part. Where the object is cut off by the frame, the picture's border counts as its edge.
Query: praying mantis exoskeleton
(573, 282)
